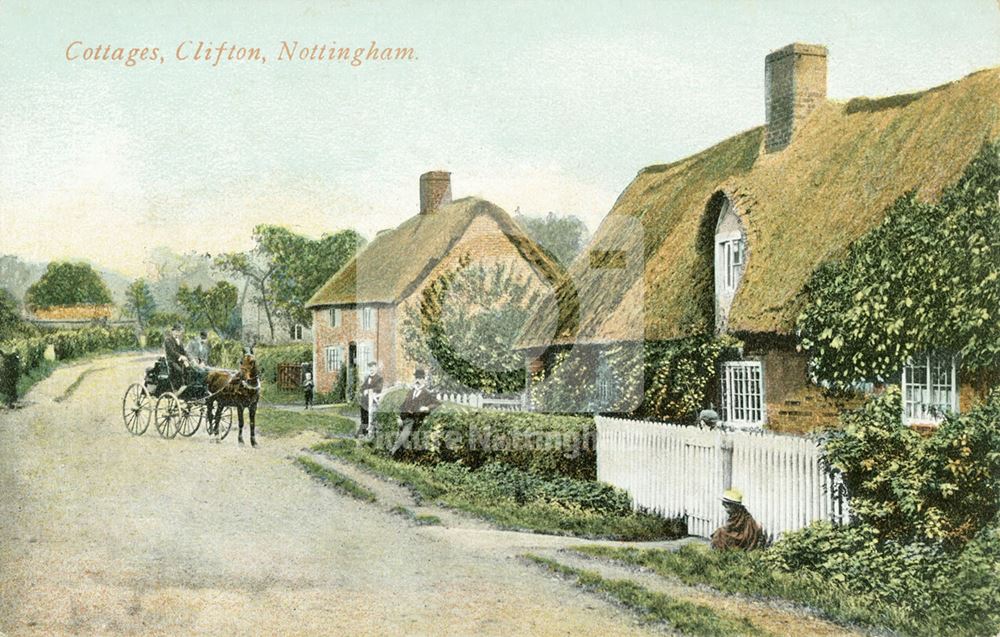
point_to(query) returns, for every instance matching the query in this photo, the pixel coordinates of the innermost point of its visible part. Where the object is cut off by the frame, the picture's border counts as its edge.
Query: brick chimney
(435, 190)
(794, 85)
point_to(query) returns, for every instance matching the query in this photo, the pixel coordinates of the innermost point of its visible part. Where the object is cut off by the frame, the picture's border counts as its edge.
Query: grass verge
(539, 517)
(76, 383)
(743, 573)
(281, 422)
(419, 520)
(683, 616)
(336, 480)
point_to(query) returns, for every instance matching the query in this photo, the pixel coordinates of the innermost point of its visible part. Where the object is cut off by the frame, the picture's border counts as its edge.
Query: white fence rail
(480, 401)
(682, 472)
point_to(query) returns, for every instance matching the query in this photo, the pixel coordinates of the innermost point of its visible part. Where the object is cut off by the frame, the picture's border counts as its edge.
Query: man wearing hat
(371, 387)
(418, 404)
(740, 531)
(177, 359)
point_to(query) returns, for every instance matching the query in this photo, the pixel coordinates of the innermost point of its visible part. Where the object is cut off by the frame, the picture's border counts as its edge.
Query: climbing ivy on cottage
(926, 279)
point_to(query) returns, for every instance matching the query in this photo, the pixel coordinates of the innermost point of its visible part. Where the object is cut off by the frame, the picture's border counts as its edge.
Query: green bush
(944, 487)
(919, 587)
(543, 444)
(498, 481)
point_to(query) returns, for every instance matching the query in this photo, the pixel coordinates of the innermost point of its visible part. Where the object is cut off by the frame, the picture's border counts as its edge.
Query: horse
(241, 391)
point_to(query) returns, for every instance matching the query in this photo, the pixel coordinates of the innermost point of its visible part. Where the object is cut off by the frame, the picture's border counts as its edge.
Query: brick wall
(483, 241)
(795, 84)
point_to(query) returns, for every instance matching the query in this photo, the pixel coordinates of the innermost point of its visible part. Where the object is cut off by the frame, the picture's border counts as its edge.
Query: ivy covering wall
(926, 279)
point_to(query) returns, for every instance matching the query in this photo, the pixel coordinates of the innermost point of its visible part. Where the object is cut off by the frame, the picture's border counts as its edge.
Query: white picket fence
(682, 472)
(480, 401)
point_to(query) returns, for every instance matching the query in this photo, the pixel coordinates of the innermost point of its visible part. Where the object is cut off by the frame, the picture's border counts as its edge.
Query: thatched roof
(396, 261)
(801, 206)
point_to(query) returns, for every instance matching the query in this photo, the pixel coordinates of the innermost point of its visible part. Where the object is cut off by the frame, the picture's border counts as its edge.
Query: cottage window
(368, 318)
(743, 393)
(732, 257)
(366, 354)
(930, 388)
(605, 384)
(334, 358)
(297, 332)
(335, 317)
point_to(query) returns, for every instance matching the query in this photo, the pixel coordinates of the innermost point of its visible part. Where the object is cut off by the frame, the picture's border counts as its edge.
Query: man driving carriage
(179, 366)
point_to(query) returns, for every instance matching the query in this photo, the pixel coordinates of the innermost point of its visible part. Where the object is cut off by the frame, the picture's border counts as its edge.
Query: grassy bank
(685, 617)
(477, 493)
(336, 480)
(281, 422)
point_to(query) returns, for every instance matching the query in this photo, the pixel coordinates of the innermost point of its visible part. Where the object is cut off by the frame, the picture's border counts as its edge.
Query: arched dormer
(731, 256)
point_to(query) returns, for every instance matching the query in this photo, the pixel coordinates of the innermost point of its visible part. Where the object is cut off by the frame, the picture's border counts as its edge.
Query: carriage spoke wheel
(189, 420)
(137, 408)
(167, 415)
(225, 423)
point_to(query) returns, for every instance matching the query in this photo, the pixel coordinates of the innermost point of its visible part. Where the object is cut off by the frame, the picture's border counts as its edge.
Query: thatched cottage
(358, 312)
(726, 239)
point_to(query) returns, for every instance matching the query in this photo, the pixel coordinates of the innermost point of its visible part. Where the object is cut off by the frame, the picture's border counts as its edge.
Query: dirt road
(102, 532)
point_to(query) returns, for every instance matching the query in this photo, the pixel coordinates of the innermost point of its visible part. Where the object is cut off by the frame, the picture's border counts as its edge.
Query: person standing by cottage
(197, 349)
(740, 531)
(370, 388)
(308, 386)
(417, 405)
(177, 358)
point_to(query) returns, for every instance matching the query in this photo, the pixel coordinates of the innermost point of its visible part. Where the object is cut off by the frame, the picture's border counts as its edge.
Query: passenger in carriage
(177, 359)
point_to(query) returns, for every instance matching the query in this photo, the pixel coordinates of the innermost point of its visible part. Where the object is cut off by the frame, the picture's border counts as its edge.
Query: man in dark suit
(371, 387)
(177, 359)
(417, 405)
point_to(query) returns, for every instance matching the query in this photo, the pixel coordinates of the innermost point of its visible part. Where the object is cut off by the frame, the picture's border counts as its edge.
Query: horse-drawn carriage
(174, 410)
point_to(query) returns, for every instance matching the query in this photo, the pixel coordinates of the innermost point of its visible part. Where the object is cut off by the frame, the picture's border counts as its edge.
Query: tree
(68, 284)
(465, 325)
(561, 236)
(10, 317)
(284, 269)
(215, 307)
(139, 301)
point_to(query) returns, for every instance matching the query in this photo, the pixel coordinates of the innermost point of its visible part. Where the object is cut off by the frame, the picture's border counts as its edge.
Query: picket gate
(682, 471)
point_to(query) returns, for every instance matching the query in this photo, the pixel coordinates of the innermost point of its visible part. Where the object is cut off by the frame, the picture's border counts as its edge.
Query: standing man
(416, 407)
(307, 386)
(371, 387)
(177, 359)
(197, 349)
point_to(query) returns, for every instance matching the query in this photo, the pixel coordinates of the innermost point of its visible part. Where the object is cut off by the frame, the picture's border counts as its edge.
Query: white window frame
(366, 354)
(336, 317)
(605, 383)
(922, 400)
(334, 356)
(297, 332)
(744, 402)
(730, 260)
(368, 319)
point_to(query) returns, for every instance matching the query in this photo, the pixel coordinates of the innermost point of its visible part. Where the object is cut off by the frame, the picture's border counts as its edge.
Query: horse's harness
(233, 377)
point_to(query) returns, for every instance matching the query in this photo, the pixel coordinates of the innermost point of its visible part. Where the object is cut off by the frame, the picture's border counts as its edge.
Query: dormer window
(730, 260)
(733, 252)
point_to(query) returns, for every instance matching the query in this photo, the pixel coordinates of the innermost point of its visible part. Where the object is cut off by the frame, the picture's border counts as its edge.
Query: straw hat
(733, 495)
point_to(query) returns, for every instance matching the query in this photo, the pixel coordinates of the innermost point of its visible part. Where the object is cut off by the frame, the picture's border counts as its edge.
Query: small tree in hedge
(465, 325)
(68, 284)
(139, 302)
(927, 278)
(10, 317)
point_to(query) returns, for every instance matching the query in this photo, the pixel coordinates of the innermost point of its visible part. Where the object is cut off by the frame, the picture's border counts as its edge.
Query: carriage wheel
(137, 408)
(167, 415)
(225, 422)
(190, 418)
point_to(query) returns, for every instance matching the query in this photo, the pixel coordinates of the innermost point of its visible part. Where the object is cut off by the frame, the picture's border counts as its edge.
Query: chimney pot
(795, 84)
(435, 190)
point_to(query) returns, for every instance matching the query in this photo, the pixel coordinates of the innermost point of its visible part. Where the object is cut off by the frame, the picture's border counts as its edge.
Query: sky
(537, 106)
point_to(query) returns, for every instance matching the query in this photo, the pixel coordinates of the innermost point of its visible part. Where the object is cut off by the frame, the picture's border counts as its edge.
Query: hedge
(542, 444)
(70, 344)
